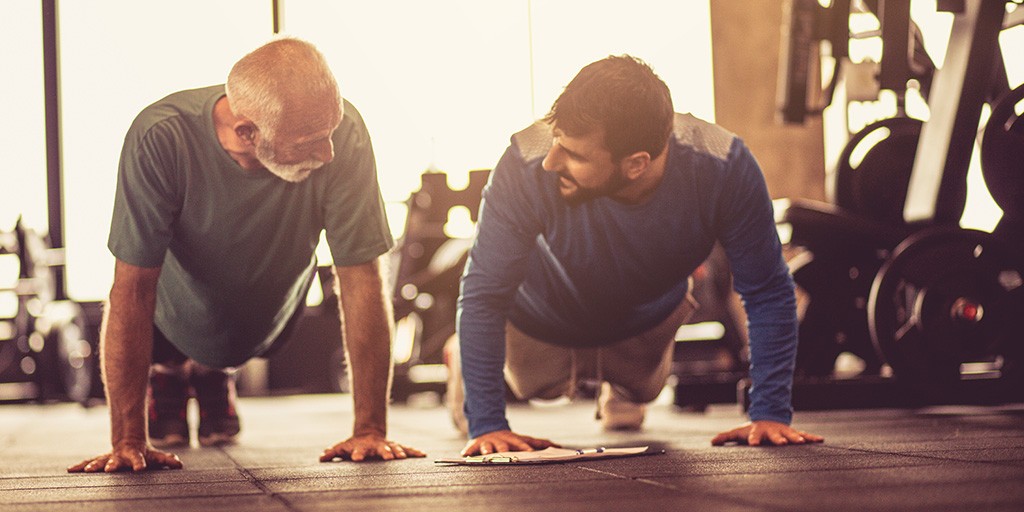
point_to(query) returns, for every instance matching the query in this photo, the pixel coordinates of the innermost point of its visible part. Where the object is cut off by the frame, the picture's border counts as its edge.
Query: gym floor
(944, 458)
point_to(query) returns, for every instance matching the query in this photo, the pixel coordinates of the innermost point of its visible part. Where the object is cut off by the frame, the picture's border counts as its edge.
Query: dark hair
(623, 96)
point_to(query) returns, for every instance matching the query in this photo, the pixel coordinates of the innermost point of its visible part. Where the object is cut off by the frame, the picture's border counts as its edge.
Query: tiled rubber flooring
(950, 458)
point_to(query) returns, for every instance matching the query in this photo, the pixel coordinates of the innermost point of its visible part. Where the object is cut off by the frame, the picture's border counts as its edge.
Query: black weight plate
(913, 298)
(874, 169)
(835, 320)
(1002, 154)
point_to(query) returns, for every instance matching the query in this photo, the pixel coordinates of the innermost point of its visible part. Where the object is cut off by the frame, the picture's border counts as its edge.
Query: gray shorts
(638, 365)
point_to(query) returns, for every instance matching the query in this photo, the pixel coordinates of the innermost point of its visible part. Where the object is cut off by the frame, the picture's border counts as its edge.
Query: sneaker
(455, 395)
(218, 418)
(167, 408)
(617, 412)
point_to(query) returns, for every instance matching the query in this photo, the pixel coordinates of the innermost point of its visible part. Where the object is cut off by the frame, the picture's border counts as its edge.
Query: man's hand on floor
(369, 447)
(504, 441)
(128, 457)
(767, 432)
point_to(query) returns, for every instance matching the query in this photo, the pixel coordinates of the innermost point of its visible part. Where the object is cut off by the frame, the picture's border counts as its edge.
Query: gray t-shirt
(236, 247)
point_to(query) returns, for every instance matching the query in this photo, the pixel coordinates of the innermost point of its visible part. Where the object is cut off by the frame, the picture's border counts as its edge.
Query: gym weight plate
(946, 307)
(1002, 154)
(874, 169)
(835, 319)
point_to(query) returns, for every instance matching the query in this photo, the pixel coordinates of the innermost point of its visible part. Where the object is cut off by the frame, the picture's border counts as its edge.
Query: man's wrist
(130, 442)
(479, 428)
(785, 419)
(371, 430)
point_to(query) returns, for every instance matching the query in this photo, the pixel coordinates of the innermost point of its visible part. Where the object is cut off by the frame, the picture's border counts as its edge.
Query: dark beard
(616, 182)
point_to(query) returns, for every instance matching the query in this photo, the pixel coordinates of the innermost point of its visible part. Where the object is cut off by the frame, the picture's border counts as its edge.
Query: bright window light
(117, 56)
(701, 331)
(442, 85)
(23, 174)
(445, 85)
(10, 271)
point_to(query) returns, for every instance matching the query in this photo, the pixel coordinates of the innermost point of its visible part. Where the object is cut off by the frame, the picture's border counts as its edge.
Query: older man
(222, 195)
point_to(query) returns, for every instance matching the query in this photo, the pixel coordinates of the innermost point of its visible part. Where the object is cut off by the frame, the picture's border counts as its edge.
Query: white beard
(292, 173)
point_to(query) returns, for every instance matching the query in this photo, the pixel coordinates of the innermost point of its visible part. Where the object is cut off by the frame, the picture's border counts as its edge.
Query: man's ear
(246, 131)
(636, 164)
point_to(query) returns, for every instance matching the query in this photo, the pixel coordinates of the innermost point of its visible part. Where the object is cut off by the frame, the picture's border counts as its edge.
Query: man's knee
(642, 373)
(533, 387)
(536, 369)
(647, 392)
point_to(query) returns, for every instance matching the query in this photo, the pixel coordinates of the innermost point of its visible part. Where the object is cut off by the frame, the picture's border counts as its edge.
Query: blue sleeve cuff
(786, 418)
(479, 428)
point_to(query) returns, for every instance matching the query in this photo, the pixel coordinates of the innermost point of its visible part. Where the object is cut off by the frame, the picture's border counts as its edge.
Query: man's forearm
(366, 320)
(773, 343)
(482, 351)
(126, 350)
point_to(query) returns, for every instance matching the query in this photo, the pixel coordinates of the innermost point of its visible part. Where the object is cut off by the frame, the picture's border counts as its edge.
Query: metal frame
(54, 170)
(894, 16)
(278, 15)
(938, 184)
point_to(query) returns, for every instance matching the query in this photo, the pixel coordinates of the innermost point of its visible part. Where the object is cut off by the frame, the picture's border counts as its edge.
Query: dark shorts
(164, 352)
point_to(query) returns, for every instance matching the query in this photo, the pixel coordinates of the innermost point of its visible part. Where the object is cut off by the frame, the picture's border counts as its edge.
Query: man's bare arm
(126, 344)
(366, 327)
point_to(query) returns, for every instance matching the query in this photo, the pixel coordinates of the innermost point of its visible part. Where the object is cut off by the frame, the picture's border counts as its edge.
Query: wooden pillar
(745, 38)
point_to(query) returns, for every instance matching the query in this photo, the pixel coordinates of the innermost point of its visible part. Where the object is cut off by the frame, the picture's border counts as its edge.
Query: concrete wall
(745, 38)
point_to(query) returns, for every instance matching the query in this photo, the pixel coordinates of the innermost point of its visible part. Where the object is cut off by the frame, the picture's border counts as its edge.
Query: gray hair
(276, 76)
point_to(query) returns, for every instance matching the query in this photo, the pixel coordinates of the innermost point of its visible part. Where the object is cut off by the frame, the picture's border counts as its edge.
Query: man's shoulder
(191, 103)
(701, 136)
(351, 138)
(189, 100)
(351, 114)
(534, 141)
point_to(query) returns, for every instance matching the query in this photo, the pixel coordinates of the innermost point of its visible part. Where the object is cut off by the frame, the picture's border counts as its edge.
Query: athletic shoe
(218, 418)
(617, 412)
(167, 407)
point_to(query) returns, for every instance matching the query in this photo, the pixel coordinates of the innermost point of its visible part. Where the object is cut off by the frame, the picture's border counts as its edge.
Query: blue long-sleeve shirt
(592, 274)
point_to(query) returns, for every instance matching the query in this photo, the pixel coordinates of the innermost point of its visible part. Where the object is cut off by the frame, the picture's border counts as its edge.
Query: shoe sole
(622, 428)
(632, 421)
(170, 441)
(218, 439)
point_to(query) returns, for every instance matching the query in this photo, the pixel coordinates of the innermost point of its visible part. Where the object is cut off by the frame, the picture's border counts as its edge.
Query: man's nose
(553, 161)
(324, 152)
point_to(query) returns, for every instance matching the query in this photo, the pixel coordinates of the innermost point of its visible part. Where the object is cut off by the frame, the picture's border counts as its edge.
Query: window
(23, 173)
(118, 56)
(442, 84)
